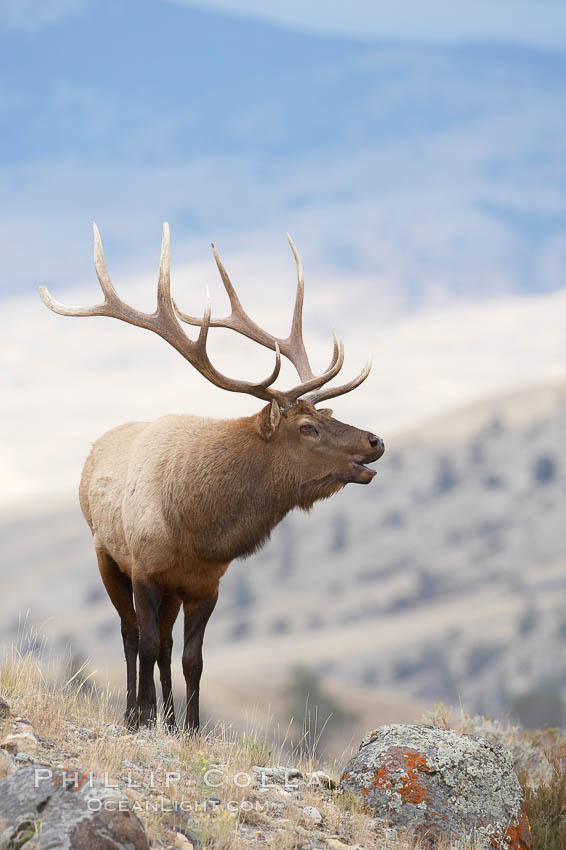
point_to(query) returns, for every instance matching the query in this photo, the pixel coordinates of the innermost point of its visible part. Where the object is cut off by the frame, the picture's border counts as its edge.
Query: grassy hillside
(77, 727)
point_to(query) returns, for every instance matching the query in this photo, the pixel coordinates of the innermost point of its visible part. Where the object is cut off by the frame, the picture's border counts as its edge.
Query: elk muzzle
(362, 474)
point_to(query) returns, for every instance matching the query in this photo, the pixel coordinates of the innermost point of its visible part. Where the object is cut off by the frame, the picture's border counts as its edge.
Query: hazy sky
(530, 21)
(394, 159)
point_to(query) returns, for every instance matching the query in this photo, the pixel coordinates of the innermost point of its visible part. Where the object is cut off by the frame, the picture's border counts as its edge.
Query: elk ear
(269, 419)
(326, 411)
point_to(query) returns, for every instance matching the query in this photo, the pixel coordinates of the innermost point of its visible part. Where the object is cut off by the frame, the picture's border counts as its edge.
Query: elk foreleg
(148, 598)
(168, 611)
(119, 588)
(196, 617)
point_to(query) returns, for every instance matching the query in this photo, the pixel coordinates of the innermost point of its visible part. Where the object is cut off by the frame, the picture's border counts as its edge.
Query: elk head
(328, 452)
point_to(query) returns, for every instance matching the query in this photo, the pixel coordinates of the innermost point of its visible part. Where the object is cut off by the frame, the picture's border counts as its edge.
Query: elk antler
(163, 321)
(292, 347)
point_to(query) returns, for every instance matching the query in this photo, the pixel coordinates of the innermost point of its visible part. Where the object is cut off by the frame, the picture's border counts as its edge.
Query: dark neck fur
(239, 491)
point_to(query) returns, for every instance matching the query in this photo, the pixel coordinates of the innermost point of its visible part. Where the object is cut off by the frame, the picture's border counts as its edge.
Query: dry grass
(78, 724)
(546, 802)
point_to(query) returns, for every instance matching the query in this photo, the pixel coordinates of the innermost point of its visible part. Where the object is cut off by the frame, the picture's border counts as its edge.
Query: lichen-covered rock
(439, 784)
(65, 810)
(311, 816)
(286, 776)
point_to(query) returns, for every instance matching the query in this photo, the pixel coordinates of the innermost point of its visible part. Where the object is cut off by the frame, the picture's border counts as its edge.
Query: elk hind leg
(147, 597)
(119, 588)
(168, 611)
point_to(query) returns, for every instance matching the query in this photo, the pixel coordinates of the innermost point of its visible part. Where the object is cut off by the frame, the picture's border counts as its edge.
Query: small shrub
(257, 751)
(240, 631)
(370, 676)
(280, 626)
(446, 477)
(215, 830)
(545, 469)
(527, 621)
(493, 482)
(243, 594)
(94, 595)
(286, 537)
(339, 533)
(393, 519)
(545, 804)
(496, 427)
(348, 802)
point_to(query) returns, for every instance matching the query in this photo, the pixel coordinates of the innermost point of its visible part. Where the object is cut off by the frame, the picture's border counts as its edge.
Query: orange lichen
(517, 836)
(380, 780)
(71, 779)
(407, 786)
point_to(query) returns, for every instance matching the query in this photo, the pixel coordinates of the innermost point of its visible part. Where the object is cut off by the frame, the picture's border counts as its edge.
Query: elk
(170, 503)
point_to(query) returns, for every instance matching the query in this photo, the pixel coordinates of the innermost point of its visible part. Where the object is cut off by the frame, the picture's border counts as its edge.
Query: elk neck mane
(202, 480)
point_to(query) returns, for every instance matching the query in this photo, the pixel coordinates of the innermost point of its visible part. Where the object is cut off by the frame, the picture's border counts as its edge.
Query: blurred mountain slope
(445, 579)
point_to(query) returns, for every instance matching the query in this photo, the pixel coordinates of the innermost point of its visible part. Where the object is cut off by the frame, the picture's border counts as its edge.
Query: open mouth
(359, 465)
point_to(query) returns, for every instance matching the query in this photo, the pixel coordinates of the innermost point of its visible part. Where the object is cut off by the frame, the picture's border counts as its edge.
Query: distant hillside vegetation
(445, 579)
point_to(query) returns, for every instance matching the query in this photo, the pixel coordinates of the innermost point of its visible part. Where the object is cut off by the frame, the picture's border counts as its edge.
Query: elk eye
(308, 429)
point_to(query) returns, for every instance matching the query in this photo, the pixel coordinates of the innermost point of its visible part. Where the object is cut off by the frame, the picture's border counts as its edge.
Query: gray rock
(286, 776)
(65, 810)
(116, 731)
(440, 785)
(86, 734)
(311, 816)
(318, 778)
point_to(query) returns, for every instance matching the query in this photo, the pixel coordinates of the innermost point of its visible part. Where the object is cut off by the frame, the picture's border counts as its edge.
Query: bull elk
(171, 502)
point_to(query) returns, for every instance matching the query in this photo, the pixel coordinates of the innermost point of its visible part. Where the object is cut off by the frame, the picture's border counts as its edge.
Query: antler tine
(164, 279)
(292, 347)
(277, 368)
(64, 310)
(228, 286)
(335, 350)
(295, 338)
(333, 392)
(206, 368)
(291, 396)
(106, 285)
(238, 320)
(104, 280)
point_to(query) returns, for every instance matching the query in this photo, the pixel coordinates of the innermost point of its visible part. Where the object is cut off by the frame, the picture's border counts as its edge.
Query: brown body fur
(167, 499)
(171, 502)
